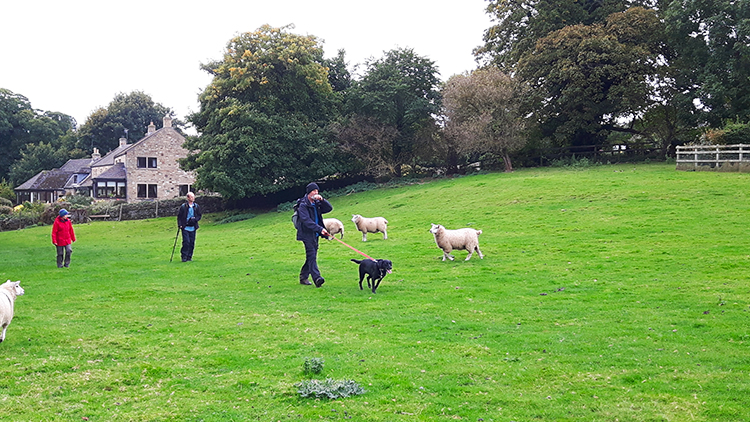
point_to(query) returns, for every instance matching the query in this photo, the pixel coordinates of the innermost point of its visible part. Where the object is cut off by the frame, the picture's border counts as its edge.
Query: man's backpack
(295, 216)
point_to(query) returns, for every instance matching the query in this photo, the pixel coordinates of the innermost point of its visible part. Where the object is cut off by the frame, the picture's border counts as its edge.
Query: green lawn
(611, 293)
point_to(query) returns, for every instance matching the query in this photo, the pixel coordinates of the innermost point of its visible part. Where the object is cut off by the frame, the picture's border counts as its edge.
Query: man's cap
(312, 186)
(63, 212)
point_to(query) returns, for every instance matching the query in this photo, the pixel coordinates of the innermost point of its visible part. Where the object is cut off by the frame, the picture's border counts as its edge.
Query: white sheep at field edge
(448, 240)
(370, 225)
(8, 292)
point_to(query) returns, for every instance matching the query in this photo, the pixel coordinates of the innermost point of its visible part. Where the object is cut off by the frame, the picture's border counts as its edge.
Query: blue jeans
(310, 268)
(188, 244)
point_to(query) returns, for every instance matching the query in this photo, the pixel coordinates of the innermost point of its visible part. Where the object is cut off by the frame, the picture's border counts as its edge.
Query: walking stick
(175, 244)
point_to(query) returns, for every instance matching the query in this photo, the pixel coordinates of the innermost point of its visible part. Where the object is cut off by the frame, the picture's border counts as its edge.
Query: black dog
(375, 271)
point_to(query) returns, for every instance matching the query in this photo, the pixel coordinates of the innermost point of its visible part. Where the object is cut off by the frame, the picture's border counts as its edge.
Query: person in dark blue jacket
(187, 220)
(312, 206)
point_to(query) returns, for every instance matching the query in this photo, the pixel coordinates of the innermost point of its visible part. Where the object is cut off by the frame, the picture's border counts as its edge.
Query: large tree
(20, 125)
(35, 158)
(710, 42)
(399, 91)
(127, 115)
(262, 121)
(585, 79)
(519, 24)
(483, 113)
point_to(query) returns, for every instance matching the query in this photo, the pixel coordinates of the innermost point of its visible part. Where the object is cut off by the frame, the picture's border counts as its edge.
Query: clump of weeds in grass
(330, 388)
(313, 365)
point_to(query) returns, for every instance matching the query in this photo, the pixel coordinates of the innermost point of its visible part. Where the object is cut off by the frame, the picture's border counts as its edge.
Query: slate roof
(46, 180)
(80, 166)
(109, 159)
(116, 172)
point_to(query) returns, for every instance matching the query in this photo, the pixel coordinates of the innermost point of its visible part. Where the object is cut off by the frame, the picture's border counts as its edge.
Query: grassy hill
(611, 293)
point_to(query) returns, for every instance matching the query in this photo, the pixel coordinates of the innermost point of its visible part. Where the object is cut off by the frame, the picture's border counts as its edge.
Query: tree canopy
(262, 121)
(583, 78)
(521, 23)
(483, 113)
(710, 57)
(399, 91)
(20, 125)
(126, 116)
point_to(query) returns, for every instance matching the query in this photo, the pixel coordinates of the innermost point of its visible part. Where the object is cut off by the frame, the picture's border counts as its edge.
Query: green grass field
(611, 293)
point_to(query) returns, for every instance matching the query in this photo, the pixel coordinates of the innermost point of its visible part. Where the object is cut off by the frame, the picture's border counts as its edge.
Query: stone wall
(152, 209)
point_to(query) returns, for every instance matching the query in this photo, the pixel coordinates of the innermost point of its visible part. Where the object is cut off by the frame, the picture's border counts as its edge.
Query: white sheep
(448, 240)
(370, 225)
(334, 226)
(8, 292)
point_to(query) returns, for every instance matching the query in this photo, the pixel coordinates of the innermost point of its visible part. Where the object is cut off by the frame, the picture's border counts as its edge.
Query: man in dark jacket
(187, 220)
(310, 213)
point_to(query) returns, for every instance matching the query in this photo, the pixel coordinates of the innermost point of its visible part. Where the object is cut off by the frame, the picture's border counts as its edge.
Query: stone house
(145, 170)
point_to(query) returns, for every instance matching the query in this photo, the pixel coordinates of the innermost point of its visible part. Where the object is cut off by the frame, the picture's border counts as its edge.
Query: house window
(146, 190)
(110, 189)
(184, 189)
(146, 162)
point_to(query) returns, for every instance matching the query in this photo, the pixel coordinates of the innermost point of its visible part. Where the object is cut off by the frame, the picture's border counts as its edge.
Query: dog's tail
(358, 261)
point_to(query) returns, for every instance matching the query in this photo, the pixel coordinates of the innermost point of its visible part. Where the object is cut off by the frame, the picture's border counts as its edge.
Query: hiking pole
(175, 243)
(361, 253)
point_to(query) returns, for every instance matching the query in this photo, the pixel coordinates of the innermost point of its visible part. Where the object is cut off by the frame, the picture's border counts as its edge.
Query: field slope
(610, 293)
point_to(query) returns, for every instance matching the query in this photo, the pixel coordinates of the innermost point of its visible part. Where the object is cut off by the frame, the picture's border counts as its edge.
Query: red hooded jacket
(62, 232)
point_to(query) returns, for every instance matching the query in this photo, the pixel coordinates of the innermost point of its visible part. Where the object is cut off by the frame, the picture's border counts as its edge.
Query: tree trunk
(508, 164)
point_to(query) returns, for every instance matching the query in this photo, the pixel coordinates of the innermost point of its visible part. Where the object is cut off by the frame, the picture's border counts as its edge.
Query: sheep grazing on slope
(8, 292)
(448, 240)
(334, 226)
(370, 225)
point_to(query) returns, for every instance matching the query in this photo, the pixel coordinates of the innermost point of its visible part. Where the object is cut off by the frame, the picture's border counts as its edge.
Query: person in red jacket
(62, 237)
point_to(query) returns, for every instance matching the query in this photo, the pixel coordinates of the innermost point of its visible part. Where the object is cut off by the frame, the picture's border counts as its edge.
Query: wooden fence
(714, 157)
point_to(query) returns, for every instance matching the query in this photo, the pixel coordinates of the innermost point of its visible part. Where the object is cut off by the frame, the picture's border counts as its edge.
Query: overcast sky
(74, 56)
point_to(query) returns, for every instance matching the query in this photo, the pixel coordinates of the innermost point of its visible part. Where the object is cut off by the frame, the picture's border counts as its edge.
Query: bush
(34, 207)
(5, 210)
(235, 218)
(6, 202)
(313, 365)
(332, 389)
(51, 211)
(6, 191)
(79, 200)
(18, 221)
(574, 163)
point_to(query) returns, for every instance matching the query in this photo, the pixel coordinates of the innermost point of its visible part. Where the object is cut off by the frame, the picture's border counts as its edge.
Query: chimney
(95, 155)
(167, 121)
(123, 142)
(151, 128)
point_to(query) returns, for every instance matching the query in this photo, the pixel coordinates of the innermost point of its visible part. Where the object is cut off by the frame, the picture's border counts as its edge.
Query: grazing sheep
(8, 292)
(448, 240)
(370, 225)
(334, 226)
